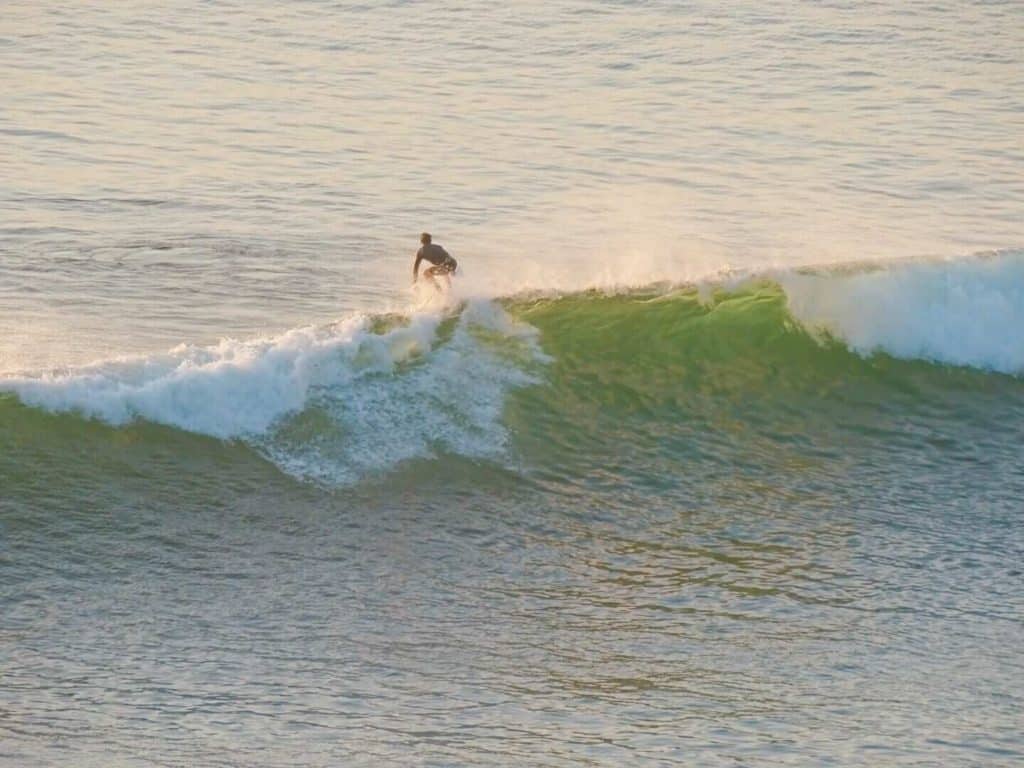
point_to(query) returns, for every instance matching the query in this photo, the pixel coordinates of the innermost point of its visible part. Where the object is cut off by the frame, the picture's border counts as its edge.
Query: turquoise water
(712, 456)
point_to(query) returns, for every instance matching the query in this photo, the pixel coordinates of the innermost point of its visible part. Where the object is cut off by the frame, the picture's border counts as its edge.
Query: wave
(327, 403)
(335, 403)
(968, 312)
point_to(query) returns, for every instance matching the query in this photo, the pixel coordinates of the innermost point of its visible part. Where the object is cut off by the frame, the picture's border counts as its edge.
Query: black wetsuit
(442, 260)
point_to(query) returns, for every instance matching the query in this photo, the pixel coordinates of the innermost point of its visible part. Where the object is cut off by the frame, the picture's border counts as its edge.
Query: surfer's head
(425, 238)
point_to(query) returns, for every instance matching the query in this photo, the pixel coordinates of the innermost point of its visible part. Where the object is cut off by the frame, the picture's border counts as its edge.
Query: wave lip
(968, 312)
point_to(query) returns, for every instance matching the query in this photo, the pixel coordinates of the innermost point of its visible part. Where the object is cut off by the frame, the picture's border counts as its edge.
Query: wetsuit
(443, 262)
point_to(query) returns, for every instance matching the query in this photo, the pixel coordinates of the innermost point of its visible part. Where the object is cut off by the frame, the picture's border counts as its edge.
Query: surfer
(444, 264)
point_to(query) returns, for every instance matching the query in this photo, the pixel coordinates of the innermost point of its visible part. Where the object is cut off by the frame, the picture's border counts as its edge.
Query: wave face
(556, 378)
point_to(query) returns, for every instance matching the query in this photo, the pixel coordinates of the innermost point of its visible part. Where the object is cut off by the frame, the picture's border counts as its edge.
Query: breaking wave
(335, 403)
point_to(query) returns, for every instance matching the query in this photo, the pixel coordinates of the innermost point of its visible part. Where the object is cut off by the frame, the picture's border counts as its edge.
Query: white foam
(376, 398)
(232, 389)
(453, 403)
(967, 312)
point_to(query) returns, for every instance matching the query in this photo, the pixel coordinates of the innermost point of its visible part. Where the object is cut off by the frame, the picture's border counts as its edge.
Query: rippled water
(179, 171)
(763, 521)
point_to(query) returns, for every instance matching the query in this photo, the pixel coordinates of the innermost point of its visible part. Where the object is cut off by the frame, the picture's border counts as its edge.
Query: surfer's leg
(447, 270)
(430, 275)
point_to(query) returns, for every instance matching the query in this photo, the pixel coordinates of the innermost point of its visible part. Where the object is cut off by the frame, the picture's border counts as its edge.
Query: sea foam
(378, 396)
(967, 312)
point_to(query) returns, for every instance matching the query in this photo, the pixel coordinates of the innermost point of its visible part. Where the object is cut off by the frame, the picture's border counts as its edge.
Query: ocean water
(712, 456)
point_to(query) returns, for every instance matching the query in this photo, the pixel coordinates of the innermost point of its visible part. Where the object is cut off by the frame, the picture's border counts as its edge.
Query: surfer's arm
(416, 267)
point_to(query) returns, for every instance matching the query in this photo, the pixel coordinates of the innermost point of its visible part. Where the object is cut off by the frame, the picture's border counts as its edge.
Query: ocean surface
(712, 456)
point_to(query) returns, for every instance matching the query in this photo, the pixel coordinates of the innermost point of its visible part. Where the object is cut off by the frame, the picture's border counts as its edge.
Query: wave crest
(968, 312)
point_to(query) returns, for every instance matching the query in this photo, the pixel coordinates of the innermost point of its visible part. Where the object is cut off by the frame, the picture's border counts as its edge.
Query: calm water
(761, 504)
